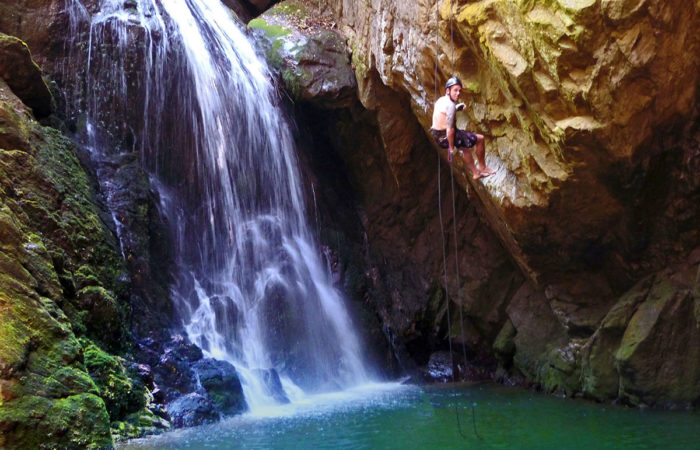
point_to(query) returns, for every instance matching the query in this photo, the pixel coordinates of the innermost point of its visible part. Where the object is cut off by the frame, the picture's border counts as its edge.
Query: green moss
(474, 13)
(137, 425)
(274, 55)
(32, 422)
(271, 31)
(39, 263)
(643, 321)
(84, 277)
(77, 216)
(504, 345)
(123, 395)
(288, 8)
(359, 63)
(62, 382)
(473, 86)
(559, 372)
(294, 82)
(14, 343)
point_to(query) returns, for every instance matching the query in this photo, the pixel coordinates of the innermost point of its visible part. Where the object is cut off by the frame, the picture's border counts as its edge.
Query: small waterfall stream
(178, 82)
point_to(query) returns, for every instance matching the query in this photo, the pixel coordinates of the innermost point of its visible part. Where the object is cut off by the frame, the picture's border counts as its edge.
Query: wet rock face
(191, 410)
(273, 385)
(193, 389)
(220, 381)
(126, 189)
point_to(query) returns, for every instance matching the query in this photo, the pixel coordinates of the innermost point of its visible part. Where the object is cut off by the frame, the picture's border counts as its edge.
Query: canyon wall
(590, 116)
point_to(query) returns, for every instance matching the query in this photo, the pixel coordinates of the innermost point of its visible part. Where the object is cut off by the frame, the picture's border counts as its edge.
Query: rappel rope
(442, 226)
(454, 223)
(454, 213)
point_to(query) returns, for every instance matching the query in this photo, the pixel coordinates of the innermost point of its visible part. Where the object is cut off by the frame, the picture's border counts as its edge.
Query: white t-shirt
(444, 106)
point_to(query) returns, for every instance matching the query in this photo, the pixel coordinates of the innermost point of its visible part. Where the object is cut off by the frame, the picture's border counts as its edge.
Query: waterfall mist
(178, 82)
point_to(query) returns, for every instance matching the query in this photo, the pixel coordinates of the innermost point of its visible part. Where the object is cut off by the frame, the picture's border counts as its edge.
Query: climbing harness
(451, 82)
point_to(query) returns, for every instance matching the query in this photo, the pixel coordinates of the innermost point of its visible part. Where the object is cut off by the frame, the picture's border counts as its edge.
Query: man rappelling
(445, 132)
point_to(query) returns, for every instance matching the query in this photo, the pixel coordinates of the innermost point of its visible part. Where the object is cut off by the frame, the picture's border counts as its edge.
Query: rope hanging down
(442, 227)
(454, 215)
(454, 222)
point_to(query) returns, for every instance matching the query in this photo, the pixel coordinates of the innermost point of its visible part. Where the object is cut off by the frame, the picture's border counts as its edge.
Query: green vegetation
(270, 30)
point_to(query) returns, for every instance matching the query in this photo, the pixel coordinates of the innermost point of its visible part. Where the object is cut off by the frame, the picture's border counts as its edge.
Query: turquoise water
(392, 416)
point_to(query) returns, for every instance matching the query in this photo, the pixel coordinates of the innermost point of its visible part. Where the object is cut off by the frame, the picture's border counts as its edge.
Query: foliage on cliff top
(301, 17)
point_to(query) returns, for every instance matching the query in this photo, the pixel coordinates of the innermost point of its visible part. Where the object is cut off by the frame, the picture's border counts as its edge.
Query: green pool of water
(392, 416)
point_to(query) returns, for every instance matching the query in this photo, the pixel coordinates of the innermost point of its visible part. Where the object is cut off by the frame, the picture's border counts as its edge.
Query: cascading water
(179, 82)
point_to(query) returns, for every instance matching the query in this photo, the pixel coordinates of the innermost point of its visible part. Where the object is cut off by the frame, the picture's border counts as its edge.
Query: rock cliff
(64, 311)
(590, 113)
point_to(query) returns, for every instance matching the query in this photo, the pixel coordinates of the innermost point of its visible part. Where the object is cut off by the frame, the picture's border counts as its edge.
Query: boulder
(440, 368)
(191, 410)
(174, 367)
(220, 381)
(309, 55)
(661, 337)
(122, 393)
(650, 333)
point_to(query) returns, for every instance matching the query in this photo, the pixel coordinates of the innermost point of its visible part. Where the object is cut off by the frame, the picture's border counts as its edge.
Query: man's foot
(478, 175)
(487, 171)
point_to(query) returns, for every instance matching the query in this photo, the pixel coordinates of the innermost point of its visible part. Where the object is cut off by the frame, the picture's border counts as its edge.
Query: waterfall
(178, 82)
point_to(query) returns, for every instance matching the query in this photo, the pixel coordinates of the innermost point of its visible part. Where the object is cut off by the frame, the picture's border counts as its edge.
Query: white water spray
(179, 81)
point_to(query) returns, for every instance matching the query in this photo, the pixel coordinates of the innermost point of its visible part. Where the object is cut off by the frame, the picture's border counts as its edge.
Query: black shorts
(462, 138)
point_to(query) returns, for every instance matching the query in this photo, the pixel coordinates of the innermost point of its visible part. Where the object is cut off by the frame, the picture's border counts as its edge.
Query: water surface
(393, 416)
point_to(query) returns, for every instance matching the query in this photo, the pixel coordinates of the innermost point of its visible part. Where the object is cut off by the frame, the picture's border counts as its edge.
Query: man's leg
(480, 150)
(469, 162)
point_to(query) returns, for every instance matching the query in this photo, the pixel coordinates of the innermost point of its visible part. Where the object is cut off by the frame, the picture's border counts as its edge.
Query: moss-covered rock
(123, 395)
(74, 422)
(600, 378)
(658, 357)
(222, 385)
(311, 58)
(504, 345)
(62, 278)
(104, 317)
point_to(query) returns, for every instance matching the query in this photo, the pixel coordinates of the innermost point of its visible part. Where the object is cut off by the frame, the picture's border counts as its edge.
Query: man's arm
(450, 116)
